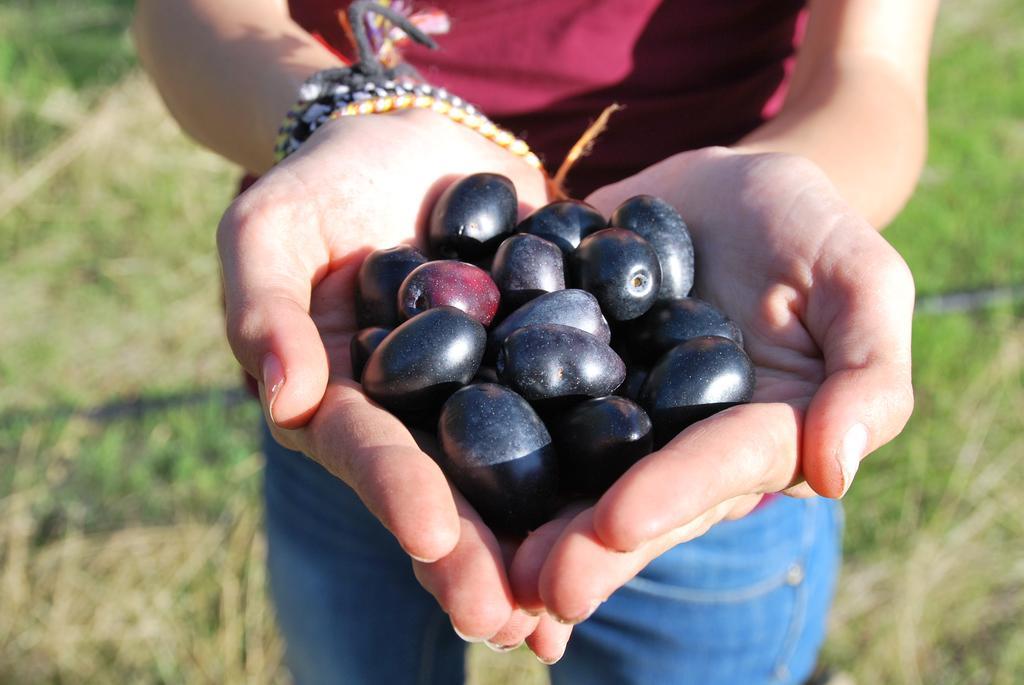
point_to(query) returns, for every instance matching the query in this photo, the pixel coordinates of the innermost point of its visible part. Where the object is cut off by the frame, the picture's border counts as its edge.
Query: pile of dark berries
(548, 356)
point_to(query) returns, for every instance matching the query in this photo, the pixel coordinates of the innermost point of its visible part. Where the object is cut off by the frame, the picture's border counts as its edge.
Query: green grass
(129, 472)
(56, 58)
(957, 232)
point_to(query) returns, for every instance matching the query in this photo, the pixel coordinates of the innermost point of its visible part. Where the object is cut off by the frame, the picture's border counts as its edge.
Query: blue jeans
(744, 604)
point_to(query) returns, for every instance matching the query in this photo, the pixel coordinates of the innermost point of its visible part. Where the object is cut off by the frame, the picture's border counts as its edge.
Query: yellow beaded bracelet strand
(473, 119)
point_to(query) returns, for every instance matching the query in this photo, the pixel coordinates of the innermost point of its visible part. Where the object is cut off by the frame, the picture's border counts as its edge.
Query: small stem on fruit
(584, 145)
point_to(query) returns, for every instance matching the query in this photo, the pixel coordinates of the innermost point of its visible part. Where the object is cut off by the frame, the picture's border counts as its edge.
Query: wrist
(408, 145)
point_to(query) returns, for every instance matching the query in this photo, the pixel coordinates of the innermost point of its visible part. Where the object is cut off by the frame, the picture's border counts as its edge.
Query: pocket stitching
(694, 595)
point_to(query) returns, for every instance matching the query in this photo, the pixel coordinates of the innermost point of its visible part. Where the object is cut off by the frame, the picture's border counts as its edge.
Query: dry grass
(951, 608)
(184, 602)
(101, 236)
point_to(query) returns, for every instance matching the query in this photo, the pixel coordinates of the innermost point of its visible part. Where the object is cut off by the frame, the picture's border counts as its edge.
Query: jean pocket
(742, 599)
(792, 574)
(736, 561)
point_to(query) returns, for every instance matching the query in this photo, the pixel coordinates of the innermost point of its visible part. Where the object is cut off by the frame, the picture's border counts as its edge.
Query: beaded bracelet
(389, 96)
(323, 94)
(368, 88)
(455, 108)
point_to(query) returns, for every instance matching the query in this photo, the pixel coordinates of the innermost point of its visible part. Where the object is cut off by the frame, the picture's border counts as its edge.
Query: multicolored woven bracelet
(323, 94)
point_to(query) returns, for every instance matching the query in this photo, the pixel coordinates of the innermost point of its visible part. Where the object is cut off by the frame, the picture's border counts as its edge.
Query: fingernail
(548, 661)
(582, 617)
(471, 640)
(855, 443)
(422, 560)
(501, 648)
(531, 612)
(273, 380)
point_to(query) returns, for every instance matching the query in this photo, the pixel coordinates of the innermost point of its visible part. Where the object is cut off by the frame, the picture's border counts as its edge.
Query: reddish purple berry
(449, 283)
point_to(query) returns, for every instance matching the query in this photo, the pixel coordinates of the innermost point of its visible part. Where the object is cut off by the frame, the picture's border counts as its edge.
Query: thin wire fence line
(136, 407)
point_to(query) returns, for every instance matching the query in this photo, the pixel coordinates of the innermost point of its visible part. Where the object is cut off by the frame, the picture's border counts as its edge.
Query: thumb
(867, 396)
(267, 276)
(853, 413)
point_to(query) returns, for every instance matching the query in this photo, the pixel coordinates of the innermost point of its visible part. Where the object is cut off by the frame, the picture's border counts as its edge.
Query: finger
(524, 571)
(376, 455)
(863, 318)
(581, 572)
(710, 462)
(268, 271)
(470, 582)
(514, 632)
(549, 640)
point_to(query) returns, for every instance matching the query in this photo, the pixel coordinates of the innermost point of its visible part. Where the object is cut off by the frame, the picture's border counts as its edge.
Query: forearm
(227, 69)
(864, 126)
(857, 100)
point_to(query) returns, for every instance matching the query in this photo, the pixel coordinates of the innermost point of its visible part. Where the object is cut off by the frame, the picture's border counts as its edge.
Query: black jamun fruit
(377, 283)
(423, 361)
(597, 441)
(693, 381)
(472, 217)
(659, 223)
(564, 223)
(499, 454)
(525, 267)
(549, 361)
(621, 269)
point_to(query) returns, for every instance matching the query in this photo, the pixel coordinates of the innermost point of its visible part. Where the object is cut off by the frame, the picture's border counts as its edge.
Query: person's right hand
(290, 248)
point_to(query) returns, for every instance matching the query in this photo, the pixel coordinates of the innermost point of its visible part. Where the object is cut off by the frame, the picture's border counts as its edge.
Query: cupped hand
(825, 305)
(290, 248)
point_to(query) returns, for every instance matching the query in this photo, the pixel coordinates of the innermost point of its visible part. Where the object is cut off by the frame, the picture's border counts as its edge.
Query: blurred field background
(130, 542)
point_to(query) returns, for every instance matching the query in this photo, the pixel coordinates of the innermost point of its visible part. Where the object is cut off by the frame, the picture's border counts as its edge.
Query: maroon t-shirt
(690, 73)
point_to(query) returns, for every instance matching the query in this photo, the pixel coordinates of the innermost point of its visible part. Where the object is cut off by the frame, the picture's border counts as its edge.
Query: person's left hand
(825, 305)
